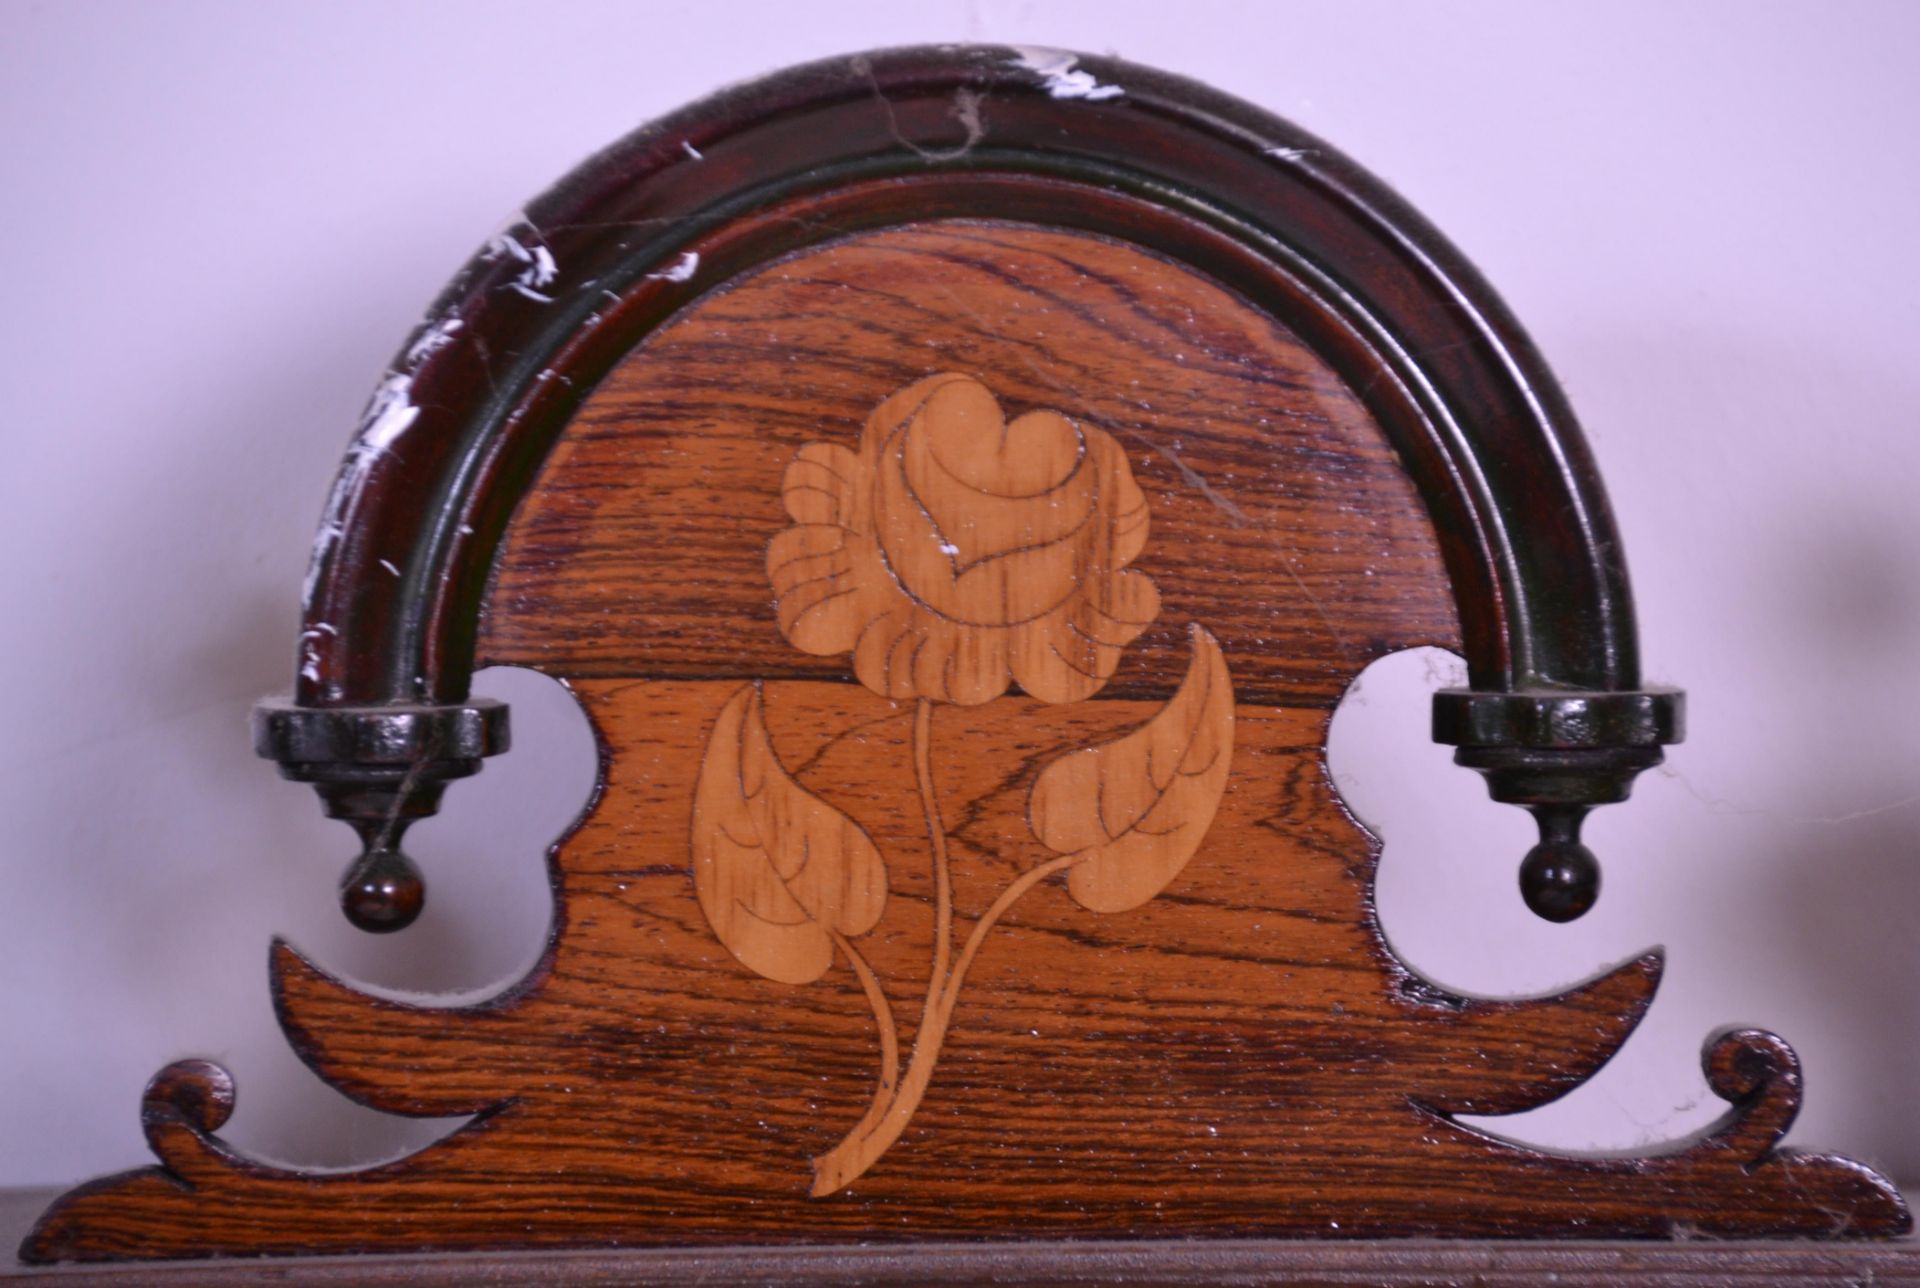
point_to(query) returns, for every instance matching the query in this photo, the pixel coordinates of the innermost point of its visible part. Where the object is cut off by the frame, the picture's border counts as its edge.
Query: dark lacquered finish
(1481, 425)
(1555, 718)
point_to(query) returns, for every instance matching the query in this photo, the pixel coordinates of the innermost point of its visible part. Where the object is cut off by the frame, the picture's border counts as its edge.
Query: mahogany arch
(475, 398)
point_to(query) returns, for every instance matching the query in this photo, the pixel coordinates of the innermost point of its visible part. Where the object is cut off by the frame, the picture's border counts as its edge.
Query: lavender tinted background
(222, 218)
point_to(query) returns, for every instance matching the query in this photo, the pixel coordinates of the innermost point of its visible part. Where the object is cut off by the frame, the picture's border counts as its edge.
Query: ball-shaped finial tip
(383, 892)
(1560, 880)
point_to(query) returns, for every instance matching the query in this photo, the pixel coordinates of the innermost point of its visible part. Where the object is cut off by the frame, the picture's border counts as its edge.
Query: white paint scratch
(691, 151)
(1055, 68)
(388, 414)
(310, 649)
(388, 565)
(1290, 154)
(537, 265)
(323, 541)
(432, 340)
(681, 269)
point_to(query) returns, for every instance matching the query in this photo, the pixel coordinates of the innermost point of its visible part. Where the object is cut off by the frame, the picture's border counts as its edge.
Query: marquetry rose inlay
(954, 554)
(958, 550)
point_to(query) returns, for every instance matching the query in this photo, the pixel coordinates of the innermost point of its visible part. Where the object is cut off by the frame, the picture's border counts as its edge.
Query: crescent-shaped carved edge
(1758, 1073)
(180, 1110)
(385, 1054)
(1509, 1055)
(419, 1061)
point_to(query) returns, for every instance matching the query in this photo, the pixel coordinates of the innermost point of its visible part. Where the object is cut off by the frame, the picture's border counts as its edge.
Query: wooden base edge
(1145, 1262)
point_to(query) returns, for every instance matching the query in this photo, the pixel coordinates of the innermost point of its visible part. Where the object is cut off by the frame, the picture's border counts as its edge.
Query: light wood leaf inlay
(1133, 811)
(956, 553)
(777, 869)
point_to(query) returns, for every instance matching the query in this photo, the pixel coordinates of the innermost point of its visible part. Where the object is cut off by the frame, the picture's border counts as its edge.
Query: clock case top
(473, 404)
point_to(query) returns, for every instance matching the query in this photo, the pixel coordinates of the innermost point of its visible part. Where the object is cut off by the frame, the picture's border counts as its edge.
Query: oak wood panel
(1227, 1049)
(1280, 516)
(1237, 1056)
(1383, 1264)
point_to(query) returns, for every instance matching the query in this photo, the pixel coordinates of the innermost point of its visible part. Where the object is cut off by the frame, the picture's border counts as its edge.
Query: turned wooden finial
(379, 769)
(1559, 754)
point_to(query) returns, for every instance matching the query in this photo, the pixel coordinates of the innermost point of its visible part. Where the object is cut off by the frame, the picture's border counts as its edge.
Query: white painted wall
(221, 218)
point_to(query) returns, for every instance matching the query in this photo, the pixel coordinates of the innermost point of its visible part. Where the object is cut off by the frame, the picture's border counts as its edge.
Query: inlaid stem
(876, 1133)
(883, 1021)
(937, 839)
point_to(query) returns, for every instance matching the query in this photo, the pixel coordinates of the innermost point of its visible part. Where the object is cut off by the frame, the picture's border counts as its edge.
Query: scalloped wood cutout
(979, 850)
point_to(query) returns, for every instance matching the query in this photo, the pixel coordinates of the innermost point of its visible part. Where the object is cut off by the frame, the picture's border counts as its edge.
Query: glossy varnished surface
(1393, 1264)
(1280, 516)
(1204, 1041)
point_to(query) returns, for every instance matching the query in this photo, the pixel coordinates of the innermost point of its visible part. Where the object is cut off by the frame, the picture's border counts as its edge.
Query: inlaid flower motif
(954, 553)
(957, 551)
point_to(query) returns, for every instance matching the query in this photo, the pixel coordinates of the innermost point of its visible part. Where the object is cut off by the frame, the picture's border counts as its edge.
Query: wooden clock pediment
(958, 505)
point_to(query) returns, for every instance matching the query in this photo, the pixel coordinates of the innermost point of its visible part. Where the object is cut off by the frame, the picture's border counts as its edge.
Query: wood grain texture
(1282, 515)
(1238, 1053)
(1130, 814)
(1395, 1263)
(1400, 1263)
(817, 153)
(781, 874)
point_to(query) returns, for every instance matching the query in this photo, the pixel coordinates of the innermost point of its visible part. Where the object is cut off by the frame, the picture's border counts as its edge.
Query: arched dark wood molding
(509, 350)
(455, 434)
